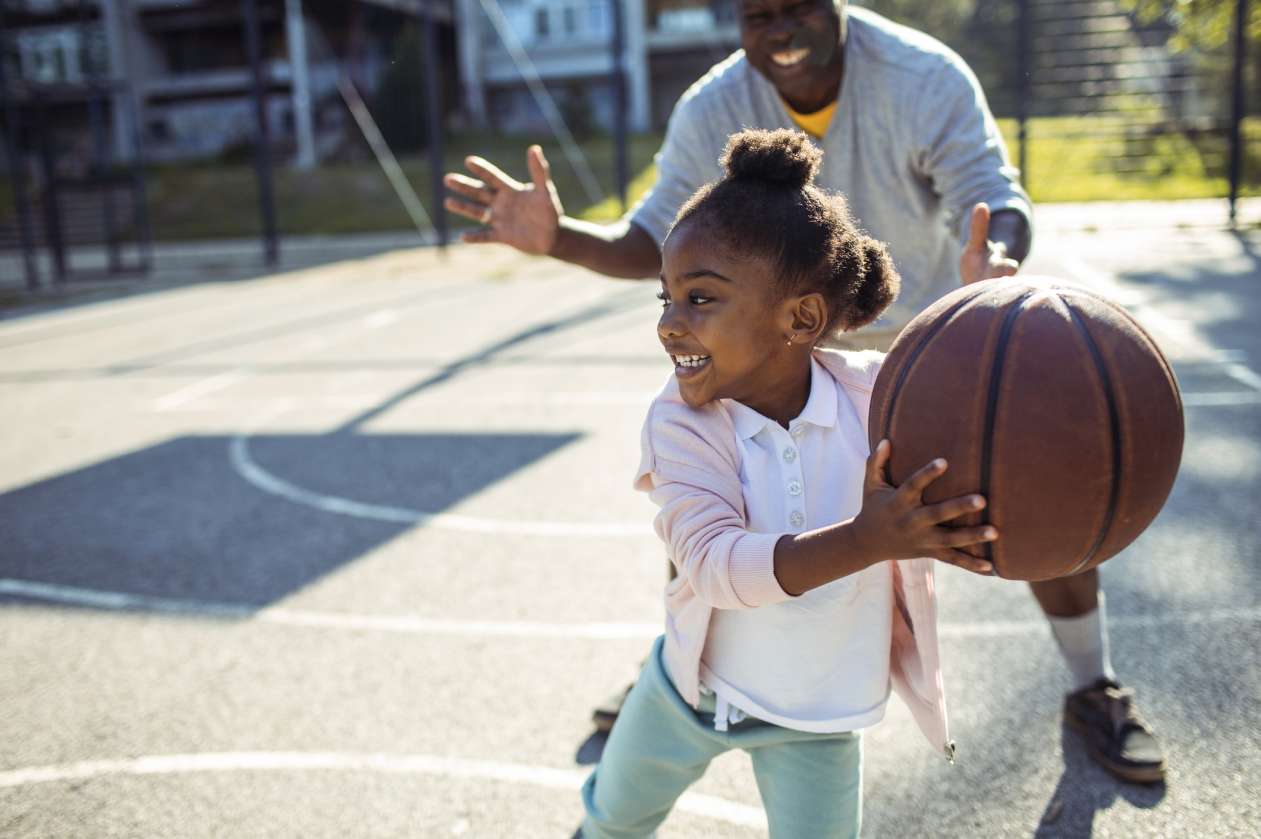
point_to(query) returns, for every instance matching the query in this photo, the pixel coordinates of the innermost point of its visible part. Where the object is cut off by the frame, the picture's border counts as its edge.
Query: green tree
(1198, 24)
(1204, 31)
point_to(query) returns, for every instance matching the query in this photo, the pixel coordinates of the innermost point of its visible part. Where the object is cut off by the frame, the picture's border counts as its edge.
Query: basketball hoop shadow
(176, 521)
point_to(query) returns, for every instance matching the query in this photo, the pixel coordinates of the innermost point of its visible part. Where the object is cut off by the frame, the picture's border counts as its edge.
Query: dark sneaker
(606, 713)
(1118, 738)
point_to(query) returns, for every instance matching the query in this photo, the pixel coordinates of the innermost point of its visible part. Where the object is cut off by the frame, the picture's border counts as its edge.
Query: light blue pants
(811, 784)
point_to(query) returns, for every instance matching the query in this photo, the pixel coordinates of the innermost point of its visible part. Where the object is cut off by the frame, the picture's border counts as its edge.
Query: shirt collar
(820, 407)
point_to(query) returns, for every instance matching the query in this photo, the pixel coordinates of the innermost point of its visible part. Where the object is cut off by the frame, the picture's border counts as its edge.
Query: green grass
(1070, 159)
(1093, 159)
(218, 200)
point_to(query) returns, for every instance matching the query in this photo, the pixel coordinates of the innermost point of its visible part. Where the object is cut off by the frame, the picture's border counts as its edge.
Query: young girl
(786, 624)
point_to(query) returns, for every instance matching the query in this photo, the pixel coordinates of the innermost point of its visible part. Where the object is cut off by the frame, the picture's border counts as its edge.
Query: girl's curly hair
(768, 205)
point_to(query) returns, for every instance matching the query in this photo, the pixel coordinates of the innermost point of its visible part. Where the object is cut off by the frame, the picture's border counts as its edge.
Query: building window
(542, 23)
(570, 16)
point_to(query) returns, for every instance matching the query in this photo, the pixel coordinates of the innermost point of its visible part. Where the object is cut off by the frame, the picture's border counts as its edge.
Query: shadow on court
(1084, 790)
(178, 521)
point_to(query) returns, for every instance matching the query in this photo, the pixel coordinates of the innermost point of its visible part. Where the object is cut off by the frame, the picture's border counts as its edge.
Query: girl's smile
(688, 365)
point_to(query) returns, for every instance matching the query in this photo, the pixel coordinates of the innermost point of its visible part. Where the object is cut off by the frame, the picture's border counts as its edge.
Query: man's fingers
(494, 177)
(480, 237)
(468, 187)
(468, 209)
(540, 170)
(1006, 268)
(966, 561)
(979, 232)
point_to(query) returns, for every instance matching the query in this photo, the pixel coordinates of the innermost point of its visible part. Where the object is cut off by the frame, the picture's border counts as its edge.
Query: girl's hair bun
(782, 157)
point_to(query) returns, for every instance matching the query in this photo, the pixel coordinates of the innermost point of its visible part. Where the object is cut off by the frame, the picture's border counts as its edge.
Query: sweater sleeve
(696, 487)
(960, 149)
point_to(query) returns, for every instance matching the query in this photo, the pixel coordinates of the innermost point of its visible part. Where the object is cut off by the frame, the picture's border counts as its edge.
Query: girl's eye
(698, 299)
(664, 298)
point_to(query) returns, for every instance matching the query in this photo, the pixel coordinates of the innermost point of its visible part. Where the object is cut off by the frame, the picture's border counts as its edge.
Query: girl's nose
(668, 326)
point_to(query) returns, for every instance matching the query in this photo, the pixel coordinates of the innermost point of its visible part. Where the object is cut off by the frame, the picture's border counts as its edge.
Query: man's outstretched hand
(525, 216)
(982, 258)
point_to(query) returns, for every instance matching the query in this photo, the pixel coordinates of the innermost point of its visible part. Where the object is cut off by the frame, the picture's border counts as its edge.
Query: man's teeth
(690, 360)
(789, 57)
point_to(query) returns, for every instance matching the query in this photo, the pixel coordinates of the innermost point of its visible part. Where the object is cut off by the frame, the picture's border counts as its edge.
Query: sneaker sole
(1134, 774)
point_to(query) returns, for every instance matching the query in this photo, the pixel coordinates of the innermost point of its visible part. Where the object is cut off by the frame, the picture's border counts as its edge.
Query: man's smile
(790, 58)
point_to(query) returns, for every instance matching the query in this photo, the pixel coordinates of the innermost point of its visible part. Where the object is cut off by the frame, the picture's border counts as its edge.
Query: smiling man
(908, 138)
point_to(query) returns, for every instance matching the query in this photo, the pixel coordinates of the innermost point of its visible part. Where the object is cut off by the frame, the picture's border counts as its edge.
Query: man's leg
(1098, 707)
(605, 714)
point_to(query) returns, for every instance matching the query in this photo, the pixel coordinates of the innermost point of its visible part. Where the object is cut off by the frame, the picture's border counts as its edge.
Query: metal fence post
(433, 92)
(17, 165)
(262, 151)
(1237, 108)
(1024, 84)
(618, 77)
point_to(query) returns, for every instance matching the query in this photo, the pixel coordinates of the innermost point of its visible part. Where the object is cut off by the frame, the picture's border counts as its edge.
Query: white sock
(1083, 641)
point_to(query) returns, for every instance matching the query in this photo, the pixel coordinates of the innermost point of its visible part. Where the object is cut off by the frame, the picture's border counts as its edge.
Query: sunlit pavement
(351, 551)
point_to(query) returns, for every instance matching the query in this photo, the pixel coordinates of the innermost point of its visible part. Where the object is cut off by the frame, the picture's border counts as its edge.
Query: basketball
(1049, 400)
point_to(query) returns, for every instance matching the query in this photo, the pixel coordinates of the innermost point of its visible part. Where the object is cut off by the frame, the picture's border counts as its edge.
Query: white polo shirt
(818, 662)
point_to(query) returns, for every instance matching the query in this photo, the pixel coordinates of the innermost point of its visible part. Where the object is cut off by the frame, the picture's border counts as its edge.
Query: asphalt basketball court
(350, 551)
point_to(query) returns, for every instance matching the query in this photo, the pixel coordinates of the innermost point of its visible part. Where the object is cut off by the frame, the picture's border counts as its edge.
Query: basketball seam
(1165, 366)
(912, 357)
(991, 409)
(1114, 422)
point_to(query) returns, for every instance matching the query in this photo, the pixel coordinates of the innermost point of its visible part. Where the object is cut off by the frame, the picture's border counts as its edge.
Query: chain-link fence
(1106, 99)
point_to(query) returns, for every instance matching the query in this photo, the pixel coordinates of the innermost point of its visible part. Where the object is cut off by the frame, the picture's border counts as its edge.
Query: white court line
(315, 343)
(598, 631)
(1244, 375)
(381, 319)
(450, 767)
(1220, 400)
(191, 393)
(249, 469)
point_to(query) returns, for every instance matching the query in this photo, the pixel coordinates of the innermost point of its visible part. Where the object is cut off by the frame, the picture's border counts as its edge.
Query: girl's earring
(790, 340)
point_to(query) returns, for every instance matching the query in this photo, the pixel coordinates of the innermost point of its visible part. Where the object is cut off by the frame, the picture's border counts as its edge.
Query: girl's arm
(728, 566)
(894, 523)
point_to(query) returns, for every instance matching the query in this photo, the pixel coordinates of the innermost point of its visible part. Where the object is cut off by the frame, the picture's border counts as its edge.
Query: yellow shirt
(816, 124)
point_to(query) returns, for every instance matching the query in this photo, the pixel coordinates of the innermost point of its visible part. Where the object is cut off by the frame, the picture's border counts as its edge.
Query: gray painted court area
(350, 550)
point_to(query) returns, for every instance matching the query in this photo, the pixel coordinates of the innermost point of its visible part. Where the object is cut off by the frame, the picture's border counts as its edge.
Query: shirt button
(794, 488)
(797, 519)
(790, 454)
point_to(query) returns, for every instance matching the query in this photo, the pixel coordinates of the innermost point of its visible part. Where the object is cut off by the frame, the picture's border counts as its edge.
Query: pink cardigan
(691, 465)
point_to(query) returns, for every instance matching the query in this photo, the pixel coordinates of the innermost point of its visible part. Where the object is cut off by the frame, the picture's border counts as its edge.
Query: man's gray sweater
(912, 146)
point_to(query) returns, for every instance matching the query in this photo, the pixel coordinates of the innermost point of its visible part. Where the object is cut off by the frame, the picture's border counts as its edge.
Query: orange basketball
(1049, 400)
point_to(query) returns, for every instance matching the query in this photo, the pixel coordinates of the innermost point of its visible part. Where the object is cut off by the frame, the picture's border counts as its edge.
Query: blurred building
(179, 77)
(566, 45)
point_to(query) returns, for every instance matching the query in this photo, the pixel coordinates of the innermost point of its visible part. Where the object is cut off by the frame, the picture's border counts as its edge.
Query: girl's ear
(810, 315)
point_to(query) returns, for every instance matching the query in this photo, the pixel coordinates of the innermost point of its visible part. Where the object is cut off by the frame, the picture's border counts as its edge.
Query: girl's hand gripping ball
(895, 523)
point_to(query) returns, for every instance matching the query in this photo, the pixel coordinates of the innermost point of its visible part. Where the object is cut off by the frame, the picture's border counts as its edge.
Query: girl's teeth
(690, 360)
